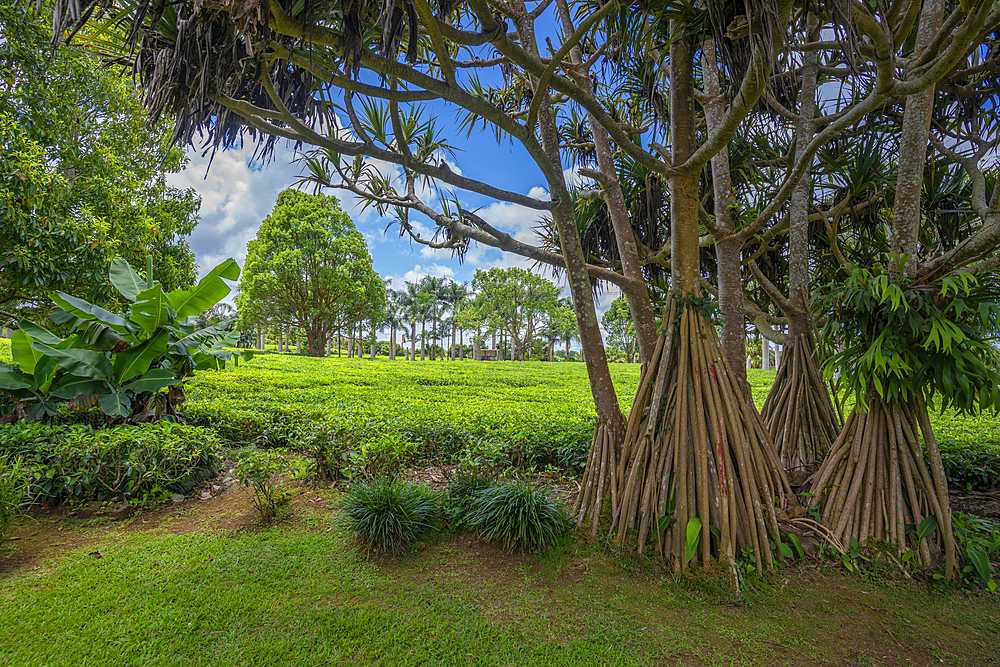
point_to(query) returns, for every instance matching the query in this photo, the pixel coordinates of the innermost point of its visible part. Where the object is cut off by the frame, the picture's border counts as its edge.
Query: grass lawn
(202, 585)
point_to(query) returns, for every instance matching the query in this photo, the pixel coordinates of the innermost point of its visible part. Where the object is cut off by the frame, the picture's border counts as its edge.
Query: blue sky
(237, 194)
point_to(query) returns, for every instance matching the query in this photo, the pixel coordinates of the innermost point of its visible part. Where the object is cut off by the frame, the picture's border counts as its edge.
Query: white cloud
(419, 271)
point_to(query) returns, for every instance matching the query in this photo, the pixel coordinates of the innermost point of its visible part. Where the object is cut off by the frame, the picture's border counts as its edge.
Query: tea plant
(13, 492)
(76, 463)
(258, 471)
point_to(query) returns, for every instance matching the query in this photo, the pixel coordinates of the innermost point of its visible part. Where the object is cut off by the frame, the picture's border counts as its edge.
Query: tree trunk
(637, 294)
(695, 453)
(423, 341)
(727, 247)
(913, 140)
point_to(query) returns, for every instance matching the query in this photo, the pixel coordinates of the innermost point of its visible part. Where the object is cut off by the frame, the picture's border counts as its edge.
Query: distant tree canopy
(515, 302)
(309, 268)
(82, 176)
(620, 328)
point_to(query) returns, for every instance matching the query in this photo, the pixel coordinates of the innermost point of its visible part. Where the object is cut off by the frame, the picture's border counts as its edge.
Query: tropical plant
(119, 362)
(387, 514)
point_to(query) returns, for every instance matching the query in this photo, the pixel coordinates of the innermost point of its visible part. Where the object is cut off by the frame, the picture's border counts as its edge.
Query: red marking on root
(722, 469)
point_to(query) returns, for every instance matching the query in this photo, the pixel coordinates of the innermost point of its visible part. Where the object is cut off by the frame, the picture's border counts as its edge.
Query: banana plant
(121, 363)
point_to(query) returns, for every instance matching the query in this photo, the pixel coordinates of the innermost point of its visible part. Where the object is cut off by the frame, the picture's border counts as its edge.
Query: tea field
(534, 411)
(527, 412)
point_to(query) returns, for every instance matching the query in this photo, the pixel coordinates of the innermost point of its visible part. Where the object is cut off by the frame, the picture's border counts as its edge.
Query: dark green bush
(387, 514)
(968, 467)
(13, 492)
(77, 463)
(519, 515)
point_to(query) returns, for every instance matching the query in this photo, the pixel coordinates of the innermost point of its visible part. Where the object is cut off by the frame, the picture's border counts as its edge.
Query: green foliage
(978, 543)
(387, 514)
(519, 515)
(258, 472)
(13, 492)
(900, 338)
(516, 302)
(971, 469)
(76, 463)
(490, 414)
(119, 362)
(82, 176)
(309, 268)
(618, 324)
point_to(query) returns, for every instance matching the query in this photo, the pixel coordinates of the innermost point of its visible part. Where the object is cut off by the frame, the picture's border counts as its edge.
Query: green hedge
(76, 463)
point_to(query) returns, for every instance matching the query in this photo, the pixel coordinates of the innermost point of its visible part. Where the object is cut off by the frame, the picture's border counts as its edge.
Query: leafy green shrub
(968, 468)
(77, 463)
(387, 514)
(258, 470)
(382, 456)
(13, 492)
(978, 542)
(331, 453)
(518, 514)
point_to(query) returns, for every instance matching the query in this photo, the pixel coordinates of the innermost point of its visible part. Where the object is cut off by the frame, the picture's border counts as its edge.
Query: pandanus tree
(912, 325)
(699, 456)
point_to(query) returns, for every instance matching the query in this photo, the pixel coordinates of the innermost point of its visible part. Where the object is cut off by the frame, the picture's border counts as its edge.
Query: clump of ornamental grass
(519, 515)
(386, 514)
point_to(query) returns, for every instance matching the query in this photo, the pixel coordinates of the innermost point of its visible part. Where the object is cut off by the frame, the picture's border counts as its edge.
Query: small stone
(178, 498)
(123, 511)
(205, 495)
(216, 488)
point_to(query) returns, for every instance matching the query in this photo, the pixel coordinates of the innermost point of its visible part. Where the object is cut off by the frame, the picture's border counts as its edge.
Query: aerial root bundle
(798, 412)
(599, 480)
(874, 484)
(695, 455)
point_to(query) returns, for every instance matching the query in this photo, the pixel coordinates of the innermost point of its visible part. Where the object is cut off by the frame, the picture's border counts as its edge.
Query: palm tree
(395, 316)
(436, 288)
(455, 295)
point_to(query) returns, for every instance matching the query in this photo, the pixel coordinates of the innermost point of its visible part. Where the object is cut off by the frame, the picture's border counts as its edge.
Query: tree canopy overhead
(82, 175)
(309, 268)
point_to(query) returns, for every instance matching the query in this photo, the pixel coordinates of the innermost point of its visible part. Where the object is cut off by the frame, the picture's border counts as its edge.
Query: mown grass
(299, 595)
